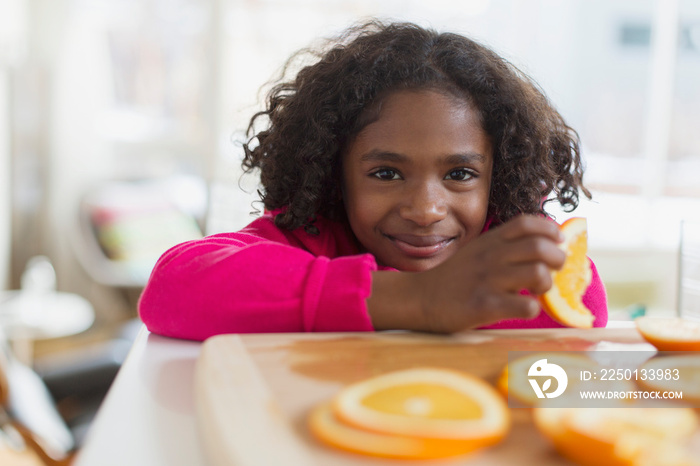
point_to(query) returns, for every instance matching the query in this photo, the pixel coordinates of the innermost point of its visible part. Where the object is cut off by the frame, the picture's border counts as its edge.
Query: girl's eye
(460, 174)
(386, 174)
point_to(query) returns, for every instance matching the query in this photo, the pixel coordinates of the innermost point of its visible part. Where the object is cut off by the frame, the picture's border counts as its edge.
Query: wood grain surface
(253, 392)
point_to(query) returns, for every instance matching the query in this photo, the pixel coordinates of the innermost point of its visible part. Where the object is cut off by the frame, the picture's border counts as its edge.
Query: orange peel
(670, 333)
(631, 436)
(562, 302)
(325, 426)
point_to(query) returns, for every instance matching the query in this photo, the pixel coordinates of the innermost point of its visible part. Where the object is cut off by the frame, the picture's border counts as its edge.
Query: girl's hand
(478, 285)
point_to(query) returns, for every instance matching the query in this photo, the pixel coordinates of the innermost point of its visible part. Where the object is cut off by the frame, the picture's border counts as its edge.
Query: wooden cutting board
(253, 392)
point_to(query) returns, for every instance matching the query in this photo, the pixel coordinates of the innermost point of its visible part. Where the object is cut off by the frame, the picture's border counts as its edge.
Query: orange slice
(414, 413)
(619, 436)
(425, 402)
(672, 374)
(563, 301)
(502, 382)
(325, 425)
(670, 333)
(514, 379)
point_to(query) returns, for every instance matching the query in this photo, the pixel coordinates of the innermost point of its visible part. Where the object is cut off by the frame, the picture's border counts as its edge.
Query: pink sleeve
(225, 284)
(596, 299)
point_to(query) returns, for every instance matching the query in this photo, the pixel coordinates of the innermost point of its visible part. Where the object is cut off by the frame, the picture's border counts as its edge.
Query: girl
(404, 176)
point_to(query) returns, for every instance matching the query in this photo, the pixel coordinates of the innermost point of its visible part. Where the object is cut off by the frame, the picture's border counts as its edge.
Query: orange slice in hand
(619, 436)
(672, 374)
(670, 333)
(563, 301)
(414, 413)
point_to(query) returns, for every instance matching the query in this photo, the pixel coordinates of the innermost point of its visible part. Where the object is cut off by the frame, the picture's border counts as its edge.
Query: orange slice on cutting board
(619, 436)
(514, 378)
(679, 373)
(415, 413)
(563, 300)
(326, 426)
(670, 333)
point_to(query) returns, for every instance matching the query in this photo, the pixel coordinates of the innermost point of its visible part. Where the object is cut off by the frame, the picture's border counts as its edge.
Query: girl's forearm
(221, 285)
(396, 301)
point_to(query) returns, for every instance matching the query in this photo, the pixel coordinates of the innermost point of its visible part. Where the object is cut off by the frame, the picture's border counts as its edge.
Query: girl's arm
(234, 283)
(259, 282)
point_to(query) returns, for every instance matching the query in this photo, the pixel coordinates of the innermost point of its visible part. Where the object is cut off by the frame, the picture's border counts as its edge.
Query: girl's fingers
(493, 270)
(509, 306)
(532, 249)
(520, 307)
(534, 277)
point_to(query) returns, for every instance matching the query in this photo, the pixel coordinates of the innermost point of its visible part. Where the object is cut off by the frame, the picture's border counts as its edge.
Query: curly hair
(310, 118)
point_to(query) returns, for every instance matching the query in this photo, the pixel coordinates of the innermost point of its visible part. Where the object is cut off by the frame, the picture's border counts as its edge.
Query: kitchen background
(119, 122)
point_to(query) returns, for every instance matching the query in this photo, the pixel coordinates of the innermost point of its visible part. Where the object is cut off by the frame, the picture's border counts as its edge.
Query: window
(622, 73)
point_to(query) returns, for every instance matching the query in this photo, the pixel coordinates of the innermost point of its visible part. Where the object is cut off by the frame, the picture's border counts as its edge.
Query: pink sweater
(310, 283)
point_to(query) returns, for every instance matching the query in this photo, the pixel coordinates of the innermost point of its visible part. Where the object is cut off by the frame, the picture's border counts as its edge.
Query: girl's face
(416, 180)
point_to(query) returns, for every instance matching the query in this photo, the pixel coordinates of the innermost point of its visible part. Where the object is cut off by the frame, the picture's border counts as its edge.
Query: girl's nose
(424, 205)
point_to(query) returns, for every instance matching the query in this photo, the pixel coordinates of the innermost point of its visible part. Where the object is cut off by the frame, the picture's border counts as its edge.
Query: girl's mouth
(420, 246)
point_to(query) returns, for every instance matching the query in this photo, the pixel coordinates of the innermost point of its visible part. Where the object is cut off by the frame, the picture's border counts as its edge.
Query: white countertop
(148, 416)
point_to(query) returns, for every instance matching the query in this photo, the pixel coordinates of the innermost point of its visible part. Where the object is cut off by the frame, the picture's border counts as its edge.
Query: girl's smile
(420, 246)
(416, 180)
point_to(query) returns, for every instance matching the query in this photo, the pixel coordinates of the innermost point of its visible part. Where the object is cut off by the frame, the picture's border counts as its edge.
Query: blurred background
(119, 122)
(120, 130)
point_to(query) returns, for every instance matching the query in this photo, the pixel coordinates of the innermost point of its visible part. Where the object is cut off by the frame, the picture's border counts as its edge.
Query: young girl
(404, 176)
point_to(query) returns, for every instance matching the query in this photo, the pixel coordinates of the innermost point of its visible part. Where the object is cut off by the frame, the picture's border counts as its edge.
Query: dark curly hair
(309, 119)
